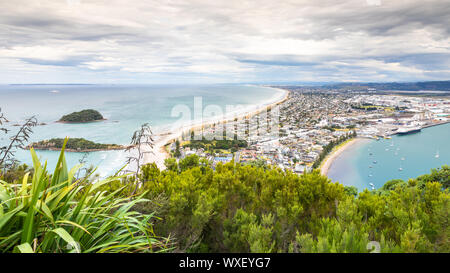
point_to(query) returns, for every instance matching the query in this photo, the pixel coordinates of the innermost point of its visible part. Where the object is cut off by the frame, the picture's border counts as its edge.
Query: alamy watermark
(373, 247)
(238, 122)
(373, 2)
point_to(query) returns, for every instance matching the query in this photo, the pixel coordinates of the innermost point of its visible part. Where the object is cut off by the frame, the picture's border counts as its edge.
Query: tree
(17, 141)
(351, 190)
(171, 164)
(177, 152)
(441, 175)
(189, 162)
(142, 141)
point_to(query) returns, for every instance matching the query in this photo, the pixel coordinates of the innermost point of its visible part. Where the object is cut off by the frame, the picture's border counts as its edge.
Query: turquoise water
(125, 107)
(415, 154)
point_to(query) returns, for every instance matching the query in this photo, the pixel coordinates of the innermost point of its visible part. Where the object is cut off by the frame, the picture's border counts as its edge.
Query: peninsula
(314, 126)
(164, 140)
(74, 145)
(88, 115)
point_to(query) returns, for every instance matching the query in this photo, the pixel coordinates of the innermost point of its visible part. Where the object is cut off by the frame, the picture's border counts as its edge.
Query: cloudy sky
(203, 41)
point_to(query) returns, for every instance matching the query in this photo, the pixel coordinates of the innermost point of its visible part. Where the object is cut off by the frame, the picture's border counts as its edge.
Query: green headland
(73, 145)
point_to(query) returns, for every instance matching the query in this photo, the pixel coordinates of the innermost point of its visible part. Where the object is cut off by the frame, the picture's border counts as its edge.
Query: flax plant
(58, 213)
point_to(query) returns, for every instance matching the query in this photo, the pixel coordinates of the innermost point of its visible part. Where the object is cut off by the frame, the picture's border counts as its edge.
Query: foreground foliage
(232, 208)
(237, 208)
(57, 213)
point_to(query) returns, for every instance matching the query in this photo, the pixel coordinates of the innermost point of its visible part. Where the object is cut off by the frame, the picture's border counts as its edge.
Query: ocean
(125, 107)
(402, 157)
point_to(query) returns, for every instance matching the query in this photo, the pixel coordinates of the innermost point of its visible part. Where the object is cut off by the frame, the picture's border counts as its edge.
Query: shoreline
(331, 157)
(158, 154)
(121, 148)
(80, 122)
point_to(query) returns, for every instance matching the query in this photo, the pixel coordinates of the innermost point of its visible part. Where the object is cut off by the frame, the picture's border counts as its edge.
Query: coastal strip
(328, 161)
(157, 154)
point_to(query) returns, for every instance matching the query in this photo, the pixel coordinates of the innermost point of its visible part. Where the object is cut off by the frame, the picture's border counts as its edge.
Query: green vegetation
(232, 208)
(177, 152)
(437, 175)
(15, 172)
(213, 145)
(237, 208)
(367, 107)
(73, 144)
(56, 212)
(334, 127)
(330, 146)
(371, 107)
(88, 115)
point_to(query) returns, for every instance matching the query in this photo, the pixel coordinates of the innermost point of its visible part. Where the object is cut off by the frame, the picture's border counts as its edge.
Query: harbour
(401, 157)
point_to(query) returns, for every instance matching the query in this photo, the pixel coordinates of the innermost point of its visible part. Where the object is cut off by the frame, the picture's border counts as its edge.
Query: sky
(231, 41)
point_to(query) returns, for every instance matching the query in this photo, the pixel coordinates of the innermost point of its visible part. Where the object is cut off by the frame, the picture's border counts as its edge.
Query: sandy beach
(158, 154)
(328, 161)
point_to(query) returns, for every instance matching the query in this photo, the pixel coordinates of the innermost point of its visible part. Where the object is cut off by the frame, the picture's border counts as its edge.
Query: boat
(375, 162)
(437, 154)
(372, 186)
(400, 169)
(408, 130)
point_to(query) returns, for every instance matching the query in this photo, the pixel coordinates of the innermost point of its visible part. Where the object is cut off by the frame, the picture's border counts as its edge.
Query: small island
(88, 115)
(73, 145)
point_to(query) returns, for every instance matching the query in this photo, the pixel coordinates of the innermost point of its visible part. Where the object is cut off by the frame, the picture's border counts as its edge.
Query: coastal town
(311, 122)
(302, 129)
(225, 135)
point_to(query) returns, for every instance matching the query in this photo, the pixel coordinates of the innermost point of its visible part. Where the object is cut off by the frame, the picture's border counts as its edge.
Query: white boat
(437, 154)
(400, 169)
(408, 130)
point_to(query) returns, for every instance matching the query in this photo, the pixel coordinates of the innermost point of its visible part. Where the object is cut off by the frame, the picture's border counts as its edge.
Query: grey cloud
(330, 19)
(180, 34)
(425, 61)
(278, 63)
(72, 61)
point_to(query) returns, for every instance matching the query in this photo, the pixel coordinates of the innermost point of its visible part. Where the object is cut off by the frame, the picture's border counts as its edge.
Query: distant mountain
(406, 86)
